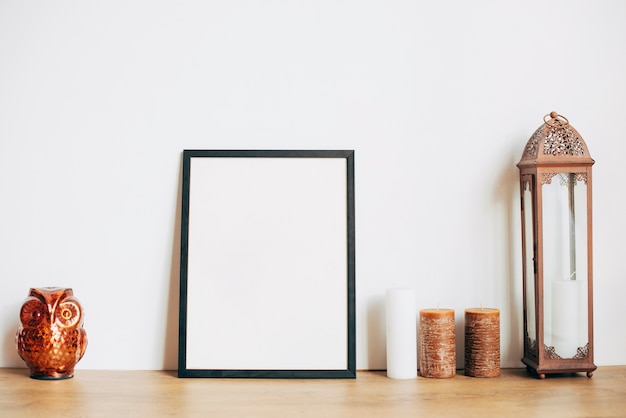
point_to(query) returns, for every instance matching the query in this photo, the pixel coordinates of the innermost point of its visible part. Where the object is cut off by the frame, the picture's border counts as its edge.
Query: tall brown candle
(437, 345)
(482, 342)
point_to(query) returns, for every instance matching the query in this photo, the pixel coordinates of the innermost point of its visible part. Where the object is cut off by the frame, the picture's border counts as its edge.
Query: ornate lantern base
(555, 364)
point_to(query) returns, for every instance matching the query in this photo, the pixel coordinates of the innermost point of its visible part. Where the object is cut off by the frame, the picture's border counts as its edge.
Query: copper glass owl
(51, 339)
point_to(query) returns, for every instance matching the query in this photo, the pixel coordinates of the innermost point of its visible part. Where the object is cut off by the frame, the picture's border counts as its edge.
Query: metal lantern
(555, 180)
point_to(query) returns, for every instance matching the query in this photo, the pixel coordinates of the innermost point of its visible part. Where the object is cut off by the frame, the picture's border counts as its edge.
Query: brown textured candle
(437, 346)
(482, 342)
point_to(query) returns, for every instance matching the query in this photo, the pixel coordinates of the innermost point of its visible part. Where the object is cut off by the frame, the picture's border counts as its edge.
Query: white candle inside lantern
(566, 317)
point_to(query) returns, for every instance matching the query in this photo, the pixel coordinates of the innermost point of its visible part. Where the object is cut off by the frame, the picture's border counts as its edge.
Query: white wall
(98, 99)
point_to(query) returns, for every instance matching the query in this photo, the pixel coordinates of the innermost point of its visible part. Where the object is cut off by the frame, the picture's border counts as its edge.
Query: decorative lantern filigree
(555, 180)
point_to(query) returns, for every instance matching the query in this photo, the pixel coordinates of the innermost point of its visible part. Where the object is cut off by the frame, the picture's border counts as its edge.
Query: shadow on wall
(459, 337)
(170, 357)
(376, 334)
(507, 198)
(10, 357)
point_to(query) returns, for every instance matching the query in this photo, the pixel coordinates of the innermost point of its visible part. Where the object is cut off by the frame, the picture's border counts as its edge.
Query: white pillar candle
(401, 334)
(565, 317)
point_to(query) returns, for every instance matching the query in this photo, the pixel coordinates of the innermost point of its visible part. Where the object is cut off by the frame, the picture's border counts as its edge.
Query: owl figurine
(51, 339)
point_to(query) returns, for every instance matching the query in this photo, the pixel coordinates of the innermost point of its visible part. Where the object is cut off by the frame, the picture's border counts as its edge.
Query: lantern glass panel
(529, 257)
(564, 216)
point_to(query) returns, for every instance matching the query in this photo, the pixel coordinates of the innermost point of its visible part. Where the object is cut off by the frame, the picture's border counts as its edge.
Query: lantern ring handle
(555, 120)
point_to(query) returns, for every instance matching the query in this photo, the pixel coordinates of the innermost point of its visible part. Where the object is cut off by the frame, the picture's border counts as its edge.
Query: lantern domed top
(555, 142)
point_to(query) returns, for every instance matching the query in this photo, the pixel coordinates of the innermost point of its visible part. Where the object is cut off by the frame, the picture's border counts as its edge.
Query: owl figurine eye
(67, 314)
(33, 313)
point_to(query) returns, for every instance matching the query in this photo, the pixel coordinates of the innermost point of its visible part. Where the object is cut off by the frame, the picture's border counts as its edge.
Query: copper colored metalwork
(557, 151)
(51, 339)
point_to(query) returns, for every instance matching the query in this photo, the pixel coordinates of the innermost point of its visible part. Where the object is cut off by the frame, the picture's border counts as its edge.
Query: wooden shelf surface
(99, 393)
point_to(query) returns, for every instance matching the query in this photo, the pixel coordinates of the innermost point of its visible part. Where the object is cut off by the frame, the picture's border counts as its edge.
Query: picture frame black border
(350, 370)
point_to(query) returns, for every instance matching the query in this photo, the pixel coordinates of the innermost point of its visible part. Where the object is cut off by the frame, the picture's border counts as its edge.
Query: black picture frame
(267, 266)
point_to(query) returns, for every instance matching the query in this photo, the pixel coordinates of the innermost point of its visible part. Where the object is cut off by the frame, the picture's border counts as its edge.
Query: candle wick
(437, 305)
(481, 306)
